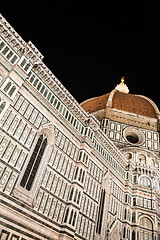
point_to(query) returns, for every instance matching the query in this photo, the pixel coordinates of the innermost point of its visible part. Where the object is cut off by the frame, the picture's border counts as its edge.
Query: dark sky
(89, 46)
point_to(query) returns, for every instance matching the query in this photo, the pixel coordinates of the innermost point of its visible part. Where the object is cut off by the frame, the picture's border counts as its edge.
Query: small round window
(132, 138)
(133, 135)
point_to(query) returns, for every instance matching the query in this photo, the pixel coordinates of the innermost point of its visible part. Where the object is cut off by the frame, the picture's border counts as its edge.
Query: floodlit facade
(70, 170)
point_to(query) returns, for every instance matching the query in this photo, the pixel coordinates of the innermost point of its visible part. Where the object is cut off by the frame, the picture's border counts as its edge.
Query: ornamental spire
(122, 87)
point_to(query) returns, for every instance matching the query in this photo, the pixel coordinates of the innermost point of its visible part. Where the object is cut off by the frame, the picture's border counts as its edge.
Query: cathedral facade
(70, 170)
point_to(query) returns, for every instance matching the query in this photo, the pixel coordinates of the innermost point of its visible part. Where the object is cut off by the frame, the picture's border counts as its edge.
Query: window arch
(147, 227)
(34, 162)
(146, 223)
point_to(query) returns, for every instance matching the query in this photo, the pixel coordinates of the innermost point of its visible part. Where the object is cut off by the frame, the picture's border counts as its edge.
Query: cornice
(35, 58)
(10, 35)
(17, 43)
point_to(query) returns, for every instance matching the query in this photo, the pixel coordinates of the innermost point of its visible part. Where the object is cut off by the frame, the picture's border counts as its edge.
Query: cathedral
(71, 171)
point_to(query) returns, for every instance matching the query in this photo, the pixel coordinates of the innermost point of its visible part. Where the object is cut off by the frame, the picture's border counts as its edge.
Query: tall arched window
(75, 176)
(133, 217)
(146, 228)
(100, 212)
(78, 199)
(71, 216)
(66, 216)
(124, 232)
(133, 235)
(75, 196)
(34, 162)
(74, 219)
(80, 174)
(152, 163)
(125, 214)
(128, 234)
(71, 194)
(83, 176)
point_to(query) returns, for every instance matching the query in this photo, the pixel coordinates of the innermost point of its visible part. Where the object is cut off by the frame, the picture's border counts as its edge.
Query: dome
(120, 99)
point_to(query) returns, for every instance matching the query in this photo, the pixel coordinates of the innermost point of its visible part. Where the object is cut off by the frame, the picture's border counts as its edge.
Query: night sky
(89, 46)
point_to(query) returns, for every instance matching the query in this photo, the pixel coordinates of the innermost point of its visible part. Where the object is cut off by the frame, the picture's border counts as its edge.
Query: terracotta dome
(120, 99)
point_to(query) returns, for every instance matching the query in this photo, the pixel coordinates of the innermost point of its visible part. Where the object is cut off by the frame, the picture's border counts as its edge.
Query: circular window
(133, 136)
(128, 156)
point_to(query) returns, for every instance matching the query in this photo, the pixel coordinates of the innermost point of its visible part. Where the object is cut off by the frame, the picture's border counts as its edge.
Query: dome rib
(122, 101)
(134, 104)
(95, 104)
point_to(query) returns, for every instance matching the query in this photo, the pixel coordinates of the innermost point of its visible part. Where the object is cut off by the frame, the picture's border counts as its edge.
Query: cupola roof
(120, 99)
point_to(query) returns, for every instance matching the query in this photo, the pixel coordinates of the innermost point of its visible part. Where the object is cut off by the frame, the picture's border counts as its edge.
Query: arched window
(128, 234)
(71, 194)
(147, 227)
(133, 217)
(133, 235)
(146, 223)
(80, 175)
(124, 232)
(71, 216)
(78, 199)
(7, 86)
(75, 176)
(12, 91)
(27, 67)
(100, 212)
(83, 176)
(142, 158)
(145, 181)
(74, 219)
(2, 106)
(129, 215)
(34, 162)
(125, 213)
(152, 163)
(75, 196)
(126, 198)
(66, 216)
